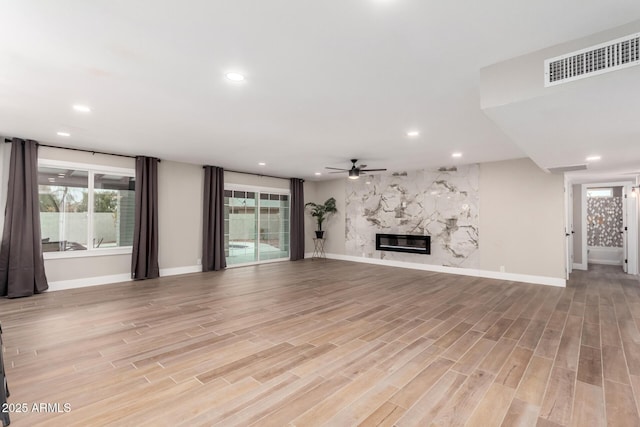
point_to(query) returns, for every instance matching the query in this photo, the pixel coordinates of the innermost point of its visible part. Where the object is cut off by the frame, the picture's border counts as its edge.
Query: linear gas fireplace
(415, 244)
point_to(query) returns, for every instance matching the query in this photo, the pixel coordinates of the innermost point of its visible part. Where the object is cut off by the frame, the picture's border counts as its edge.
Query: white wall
(637, 201)
(255, 180)
(521, 219)
(310, 195)
(335, 225)
(180, 193)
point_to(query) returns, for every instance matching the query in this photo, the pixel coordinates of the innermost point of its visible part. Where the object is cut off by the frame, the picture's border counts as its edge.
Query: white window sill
(88, 253)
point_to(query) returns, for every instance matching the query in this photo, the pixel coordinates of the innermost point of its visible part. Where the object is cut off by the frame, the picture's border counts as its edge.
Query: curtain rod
(255, 174)
(80, 149)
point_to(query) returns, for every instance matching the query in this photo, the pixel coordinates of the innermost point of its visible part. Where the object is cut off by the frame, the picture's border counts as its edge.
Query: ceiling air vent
(602, 58)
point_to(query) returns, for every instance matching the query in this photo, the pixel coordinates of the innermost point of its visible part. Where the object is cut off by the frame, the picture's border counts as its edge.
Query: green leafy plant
(322, 211)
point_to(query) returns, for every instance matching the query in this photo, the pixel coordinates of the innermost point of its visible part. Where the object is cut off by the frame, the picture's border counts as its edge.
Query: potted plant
(321, 212)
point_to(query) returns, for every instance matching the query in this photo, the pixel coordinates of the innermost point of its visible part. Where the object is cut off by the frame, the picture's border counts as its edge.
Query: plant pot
(320, 234)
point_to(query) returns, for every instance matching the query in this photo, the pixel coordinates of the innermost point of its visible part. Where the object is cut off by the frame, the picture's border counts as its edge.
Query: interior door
(568, 227)
(571, 229)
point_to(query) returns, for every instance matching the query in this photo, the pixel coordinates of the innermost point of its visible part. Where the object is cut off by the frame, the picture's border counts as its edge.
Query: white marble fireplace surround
(440, 204)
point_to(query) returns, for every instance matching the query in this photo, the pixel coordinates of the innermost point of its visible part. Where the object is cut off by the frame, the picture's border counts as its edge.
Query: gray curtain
(297, 219)
(144, 258)
(213, 256)
(21, 263)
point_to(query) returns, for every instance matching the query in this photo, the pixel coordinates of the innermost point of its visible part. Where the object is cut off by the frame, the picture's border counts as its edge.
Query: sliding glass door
(256, 226)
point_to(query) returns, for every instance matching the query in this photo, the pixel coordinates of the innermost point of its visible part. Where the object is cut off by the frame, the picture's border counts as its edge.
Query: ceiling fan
(354, 172)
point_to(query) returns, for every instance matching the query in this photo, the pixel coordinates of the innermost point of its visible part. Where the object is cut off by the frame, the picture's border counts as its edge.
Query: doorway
(605, 226)
(256, 225)
(608, 232)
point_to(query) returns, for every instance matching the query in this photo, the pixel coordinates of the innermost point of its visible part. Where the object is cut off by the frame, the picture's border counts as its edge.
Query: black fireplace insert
(415, 244)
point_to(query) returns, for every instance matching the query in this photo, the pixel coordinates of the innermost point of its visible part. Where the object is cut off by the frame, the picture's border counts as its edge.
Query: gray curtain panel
(213, 256)
(297, 219)
(21, 263)
(144, 258)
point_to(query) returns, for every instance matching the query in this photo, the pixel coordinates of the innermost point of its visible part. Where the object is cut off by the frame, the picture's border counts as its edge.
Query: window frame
(91, 170)
(609, 191)
(259, 190)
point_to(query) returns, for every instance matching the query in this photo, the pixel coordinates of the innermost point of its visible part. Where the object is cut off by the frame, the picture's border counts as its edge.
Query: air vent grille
(610, 56)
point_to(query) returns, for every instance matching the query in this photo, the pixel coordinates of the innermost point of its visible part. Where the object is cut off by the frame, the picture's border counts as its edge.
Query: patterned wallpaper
(441, 204)
(604, 221)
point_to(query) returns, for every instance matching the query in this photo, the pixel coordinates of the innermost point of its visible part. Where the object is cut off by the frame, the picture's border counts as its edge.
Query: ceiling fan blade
(339, 172)
(372, 170)
(361, 167)
(337, 169)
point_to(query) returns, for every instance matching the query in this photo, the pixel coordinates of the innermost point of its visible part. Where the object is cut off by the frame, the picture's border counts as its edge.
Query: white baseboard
(605, 262)
(526, 278)
(116, 278)
(180, 270)
(88, 281)
(580, 266)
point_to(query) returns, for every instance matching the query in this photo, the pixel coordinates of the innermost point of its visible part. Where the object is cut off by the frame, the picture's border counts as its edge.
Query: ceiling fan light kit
(355, 171)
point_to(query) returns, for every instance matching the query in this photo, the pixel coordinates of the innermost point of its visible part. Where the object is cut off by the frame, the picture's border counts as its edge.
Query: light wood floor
(329, 342)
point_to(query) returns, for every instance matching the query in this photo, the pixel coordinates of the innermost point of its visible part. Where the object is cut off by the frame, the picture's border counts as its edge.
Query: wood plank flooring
(328, 343)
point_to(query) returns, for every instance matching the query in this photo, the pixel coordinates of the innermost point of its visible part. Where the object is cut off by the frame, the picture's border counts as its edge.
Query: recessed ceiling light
(63, 134)
(593, 158)
(318, 173)
(262, 164)
(235, 77)
(82, 108)
(368, 182)
(413, 133)
(456, 155)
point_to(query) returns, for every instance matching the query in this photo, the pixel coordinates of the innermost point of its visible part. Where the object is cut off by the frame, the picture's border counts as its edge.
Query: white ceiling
(326, 81)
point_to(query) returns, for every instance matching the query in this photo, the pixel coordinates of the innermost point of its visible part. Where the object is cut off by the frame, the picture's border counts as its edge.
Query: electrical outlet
(502, 269)
(198, 261)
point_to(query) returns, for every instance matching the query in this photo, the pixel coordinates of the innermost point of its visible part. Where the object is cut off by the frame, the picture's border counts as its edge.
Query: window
(256, 226)
(85, 208)
(600, 192)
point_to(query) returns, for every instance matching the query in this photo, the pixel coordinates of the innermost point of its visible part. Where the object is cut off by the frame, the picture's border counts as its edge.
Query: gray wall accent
(577, 223)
